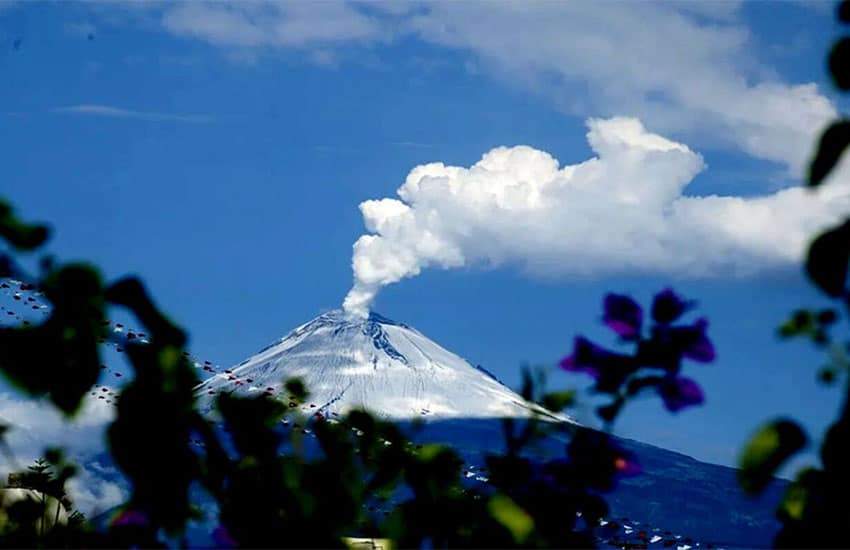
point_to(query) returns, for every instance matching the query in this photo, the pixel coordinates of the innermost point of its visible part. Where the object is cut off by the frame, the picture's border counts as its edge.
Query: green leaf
(430, 452)
(833, 141)
(839, 63)
(771, 446)
(827, 260)
(296, 389)
(796, 497)
(511, 516)
(558, 401)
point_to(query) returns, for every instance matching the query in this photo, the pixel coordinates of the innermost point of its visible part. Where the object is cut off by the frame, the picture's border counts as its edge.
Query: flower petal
(223, 538)
(670, 343)
(694, 342)
(608, 368)
(679, 393)
(131, 517)
(668, 306)
(623, 315)
(582, 359)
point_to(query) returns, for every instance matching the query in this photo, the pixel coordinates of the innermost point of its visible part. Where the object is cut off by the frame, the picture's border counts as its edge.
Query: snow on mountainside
(387, 367)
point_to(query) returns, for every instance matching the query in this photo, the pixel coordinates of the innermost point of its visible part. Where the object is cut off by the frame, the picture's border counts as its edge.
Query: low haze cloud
(37, 425)
(624, 210)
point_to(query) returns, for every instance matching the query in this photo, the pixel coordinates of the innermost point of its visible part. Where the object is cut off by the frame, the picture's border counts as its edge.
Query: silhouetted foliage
(815, 508)
(41, 514)
(832, 144)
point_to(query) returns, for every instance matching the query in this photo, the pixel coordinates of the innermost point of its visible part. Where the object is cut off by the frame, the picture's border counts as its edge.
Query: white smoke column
(622, 211)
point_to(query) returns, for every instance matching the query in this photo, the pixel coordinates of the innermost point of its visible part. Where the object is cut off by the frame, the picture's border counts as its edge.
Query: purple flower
(223, 539)
(670, 343)
(693, 342)
(607, 367)
(586, 357)
(668, 306)
(679, 393)
(623, 315)
(131, 517)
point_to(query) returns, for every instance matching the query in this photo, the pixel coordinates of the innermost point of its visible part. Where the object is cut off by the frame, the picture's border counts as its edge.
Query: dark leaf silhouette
(20, 235)
(65, 346)
(843, 12)
(833, 141)
(828, 259)
(839, 63)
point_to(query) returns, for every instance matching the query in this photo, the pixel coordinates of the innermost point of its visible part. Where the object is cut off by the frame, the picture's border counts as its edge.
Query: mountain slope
(397, 372)
(387, 367)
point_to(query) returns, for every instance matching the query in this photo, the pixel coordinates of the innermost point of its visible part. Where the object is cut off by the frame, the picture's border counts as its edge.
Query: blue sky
(221, 152)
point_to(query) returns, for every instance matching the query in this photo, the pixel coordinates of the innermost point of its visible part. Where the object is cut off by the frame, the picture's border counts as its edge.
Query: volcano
(398, 373)
(389, 368)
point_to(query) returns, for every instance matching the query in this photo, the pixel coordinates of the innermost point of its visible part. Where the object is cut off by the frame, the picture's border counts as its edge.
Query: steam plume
(623, 210)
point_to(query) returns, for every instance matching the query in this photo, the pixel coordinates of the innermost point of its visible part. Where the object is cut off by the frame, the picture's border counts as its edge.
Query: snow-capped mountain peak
(388, 367)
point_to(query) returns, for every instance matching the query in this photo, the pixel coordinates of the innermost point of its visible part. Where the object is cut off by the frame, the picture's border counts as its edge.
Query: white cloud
(92, 493)
(277, 24)
(37, 425)
(116, 112)
(717, 9)
(666, 64)
(688, 68)
(623, 211)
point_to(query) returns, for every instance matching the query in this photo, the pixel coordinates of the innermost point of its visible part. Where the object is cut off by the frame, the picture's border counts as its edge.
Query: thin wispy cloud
(84, 29)
(361, 148)
(117, 112)
(273, 24)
